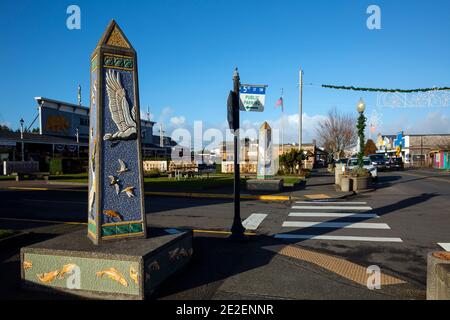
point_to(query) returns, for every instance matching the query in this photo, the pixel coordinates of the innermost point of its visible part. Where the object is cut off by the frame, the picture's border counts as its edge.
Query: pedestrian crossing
(253, 221)
(334, 221)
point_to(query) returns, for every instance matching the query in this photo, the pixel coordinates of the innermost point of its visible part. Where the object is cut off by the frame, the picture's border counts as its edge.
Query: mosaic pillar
(265, 160)
(116, 191)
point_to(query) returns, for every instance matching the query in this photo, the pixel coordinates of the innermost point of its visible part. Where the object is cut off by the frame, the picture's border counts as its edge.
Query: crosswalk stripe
(253, 221)
(333, 214)
(446, 246)
(342, 238)
(330, 202)
(345, 225)
(361, 208)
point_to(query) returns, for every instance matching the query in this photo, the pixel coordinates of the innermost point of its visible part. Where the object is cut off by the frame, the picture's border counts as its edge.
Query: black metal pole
(237, 230)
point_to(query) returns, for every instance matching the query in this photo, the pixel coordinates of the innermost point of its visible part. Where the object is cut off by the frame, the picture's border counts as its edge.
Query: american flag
(280, 103)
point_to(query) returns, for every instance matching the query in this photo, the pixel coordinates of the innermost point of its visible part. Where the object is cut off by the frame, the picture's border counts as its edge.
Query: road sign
(252, 97)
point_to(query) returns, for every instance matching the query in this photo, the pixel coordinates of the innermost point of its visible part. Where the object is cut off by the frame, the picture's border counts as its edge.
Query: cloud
(290, 127)
(249, 128)
(435, 122)
(177, 121)
(145, 115)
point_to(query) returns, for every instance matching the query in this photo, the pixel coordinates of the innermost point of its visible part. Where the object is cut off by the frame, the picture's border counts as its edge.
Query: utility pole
(79, 95)
(77, 134)
(421, 151)
(237, 229)
(300, 112)
(161, 136)
(148, 113)
(282, 120)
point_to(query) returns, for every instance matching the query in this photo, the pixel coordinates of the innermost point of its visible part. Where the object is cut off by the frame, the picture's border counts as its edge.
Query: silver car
(367, 164)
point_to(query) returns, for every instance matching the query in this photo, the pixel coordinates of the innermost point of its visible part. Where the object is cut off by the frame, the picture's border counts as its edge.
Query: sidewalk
(221, 269)
(320, 186)
(259, 268)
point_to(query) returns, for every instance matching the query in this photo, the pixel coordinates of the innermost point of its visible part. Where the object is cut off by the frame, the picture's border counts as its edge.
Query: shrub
(305, 172)
(291, 161)
(55, 166)
(154, 173)
(359, 172)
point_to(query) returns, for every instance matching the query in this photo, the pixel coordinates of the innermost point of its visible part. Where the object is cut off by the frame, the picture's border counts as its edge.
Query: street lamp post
(361, 126)
(77, 134)
(21, 138)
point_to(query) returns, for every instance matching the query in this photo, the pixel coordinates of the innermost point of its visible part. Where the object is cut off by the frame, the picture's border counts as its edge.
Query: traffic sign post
(237, 229)
(252, 97)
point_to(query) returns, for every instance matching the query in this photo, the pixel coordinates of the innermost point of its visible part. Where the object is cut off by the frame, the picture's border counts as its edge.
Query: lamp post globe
(361, 106)
(21, 138)
(21, 127)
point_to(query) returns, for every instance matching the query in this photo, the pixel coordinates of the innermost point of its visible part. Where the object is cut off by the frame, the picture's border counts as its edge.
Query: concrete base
(438, 276)
(122, 269)
(265, 185)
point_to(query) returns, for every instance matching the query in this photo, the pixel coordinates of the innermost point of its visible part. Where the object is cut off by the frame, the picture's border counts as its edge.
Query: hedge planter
(361, 183)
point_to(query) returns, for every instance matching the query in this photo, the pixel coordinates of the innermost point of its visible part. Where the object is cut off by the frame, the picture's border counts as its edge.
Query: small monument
(266, 167)
(120, 258)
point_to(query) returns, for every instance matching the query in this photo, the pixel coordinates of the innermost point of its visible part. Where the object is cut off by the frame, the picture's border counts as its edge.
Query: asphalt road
(395, 225)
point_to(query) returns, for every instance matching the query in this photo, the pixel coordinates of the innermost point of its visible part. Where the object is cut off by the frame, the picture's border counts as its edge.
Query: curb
(364, 191)
(217, 196)
(78, 184)
(197, 194)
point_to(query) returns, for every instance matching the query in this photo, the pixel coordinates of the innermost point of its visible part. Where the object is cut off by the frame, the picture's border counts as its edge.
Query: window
(84, 122)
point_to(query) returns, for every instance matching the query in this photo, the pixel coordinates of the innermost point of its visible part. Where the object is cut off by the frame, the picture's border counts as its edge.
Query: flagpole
(300, 93)
(282, 119)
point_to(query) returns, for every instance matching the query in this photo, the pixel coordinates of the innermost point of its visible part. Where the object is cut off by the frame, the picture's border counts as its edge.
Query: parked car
(379, 161)
(341, 161)
(367, 164)
(395, 163)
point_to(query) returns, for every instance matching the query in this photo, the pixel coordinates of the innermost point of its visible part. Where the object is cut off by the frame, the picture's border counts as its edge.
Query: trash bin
(345, 183)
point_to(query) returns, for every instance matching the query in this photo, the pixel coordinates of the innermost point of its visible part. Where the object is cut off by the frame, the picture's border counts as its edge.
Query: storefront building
(415, 149)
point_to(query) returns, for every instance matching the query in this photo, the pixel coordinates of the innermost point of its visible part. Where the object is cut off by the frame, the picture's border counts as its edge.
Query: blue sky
(188, 49)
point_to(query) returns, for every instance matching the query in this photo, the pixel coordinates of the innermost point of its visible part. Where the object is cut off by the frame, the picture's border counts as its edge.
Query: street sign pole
(237, 230)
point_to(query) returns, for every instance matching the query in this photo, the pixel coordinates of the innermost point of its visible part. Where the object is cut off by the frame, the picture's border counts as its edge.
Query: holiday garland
(384, 90)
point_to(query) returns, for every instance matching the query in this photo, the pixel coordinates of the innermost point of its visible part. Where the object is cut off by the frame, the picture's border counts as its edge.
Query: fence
(20, 167)
(149, 165)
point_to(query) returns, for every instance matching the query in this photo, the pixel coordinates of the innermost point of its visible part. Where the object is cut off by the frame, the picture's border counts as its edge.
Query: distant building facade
(64, 132)
(415, 149)
(314, 155)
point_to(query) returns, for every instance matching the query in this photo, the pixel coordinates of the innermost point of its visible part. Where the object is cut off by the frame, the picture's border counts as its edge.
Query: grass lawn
(5, 233)
(191, 184)
(5, 178)
(290, 180)
(215, 181)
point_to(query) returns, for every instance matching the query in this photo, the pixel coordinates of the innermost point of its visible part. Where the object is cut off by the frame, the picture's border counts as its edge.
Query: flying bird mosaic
(123, 117)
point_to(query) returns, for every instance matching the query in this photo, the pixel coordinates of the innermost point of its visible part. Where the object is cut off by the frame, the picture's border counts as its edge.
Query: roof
(39, 100)
(76, 106)
(8, 137)
(417, 135)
